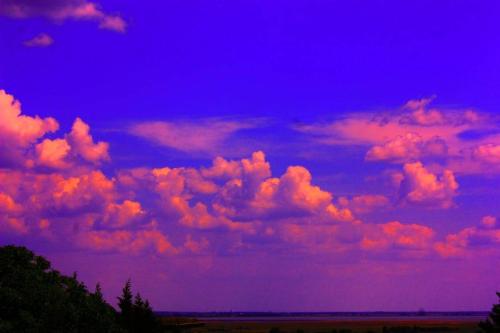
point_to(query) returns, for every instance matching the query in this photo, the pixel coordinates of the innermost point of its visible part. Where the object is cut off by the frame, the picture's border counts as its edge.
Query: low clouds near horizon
(53, 188)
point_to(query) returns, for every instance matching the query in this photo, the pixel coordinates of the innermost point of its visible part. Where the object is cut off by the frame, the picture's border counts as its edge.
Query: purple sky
(257, 155)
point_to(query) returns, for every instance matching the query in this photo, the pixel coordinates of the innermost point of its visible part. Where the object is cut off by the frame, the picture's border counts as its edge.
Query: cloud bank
(52, 187)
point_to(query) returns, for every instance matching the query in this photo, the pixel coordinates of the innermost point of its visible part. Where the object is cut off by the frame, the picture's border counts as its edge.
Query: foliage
(136, 314)
(492, 324)
(36, 298)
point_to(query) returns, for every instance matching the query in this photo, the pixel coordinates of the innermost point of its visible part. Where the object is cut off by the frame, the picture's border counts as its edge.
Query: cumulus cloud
(127, 241)
(53, 153)
(169, 210)
(488, 153)
(9, 212)
(469, 240)
(419, 113)
(396, 234)
(422, 187)
(409, 147)
(83, 144)
(40, 40)
(362, 204)
(105, 213)
(61, 10)
(18, 132)
(23, 144)
(206, 136)
(379, 128)
(462, 139)
(120, 215)
(489, 221)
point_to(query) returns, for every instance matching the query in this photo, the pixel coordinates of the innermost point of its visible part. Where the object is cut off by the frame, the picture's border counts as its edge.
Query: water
(351, 316)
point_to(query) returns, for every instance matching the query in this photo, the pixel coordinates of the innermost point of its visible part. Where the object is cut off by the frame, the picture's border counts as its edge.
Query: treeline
(34, 297)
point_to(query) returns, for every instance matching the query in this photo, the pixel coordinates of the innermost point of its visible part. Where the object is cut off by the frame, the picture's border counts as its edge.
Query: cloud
(418, 113)
(23, 144)
(18, 132)
(363, 204)
(409, 147)
(57, 191)
(293, 194)
(61, 10)
(462, 139)
(53, 153)
(396, 234)
(489, 222)
(206, 136)
(422, 187)
(40, 40)
(469, 240)
(76, 148)
(488, 153)
(9, 213)
(120, 215)
(127, 242)
(379, 128)
(83, 144)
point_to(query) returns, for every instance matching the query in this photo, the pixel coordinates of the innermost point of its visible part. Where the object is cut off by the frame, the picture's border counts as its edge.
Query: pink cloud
(18, 132)
(417, 132)
(61, 10)
(20, 136)
(120, 215)
(396, 234)
(207, 136)
(53, 153)
(141, 210)
(78, 146)
(422, 187)
(407, 148)
(9, 213)
(488, 153)
(470, 240)
(196, 246)
(420, 115)
(489, 222)
(83, 144)
(362, 204)
(40, 40)
(127, 241)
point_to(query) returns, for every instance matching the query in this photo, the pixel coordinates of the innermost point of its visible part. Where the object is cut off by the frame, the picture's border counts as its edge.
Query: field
(326, 326)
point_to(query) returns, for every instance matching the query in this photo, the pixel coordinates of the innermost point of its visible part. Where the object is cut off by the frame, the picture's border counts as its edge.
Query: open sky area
(257, 155)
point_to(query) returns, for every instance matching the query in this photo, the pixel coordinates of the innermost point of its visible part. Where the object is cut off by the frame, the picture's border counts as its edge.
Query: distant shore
(329, 316)
(352, 322)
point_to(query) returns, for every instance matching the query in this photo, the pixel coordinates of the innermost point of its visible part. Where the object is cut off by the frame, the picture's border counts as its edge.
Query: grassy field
(328, 326)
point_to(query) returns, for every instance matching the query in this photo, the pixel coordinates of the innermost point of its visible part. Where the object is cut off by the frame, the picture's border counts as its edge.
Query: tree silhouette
(98, 292)
(136, 315)
(492, 323)
(36, 298)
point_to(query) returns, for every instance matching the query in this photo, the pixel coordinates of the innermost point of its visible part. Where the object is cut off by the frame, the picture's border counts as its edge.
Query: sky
(256, 155)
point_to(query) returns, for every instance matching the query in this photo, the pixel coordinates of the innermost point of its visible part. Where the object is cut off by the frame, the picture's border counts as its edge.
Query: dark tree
(492, 323)
(98, 292)
(36, 298)
(136, 315)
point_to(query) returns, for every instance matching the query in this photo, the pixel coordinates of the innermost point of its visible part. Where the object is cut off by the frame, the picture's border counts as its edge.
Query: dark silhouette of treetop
(492, 323)
(136, 314)
(36, 298)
